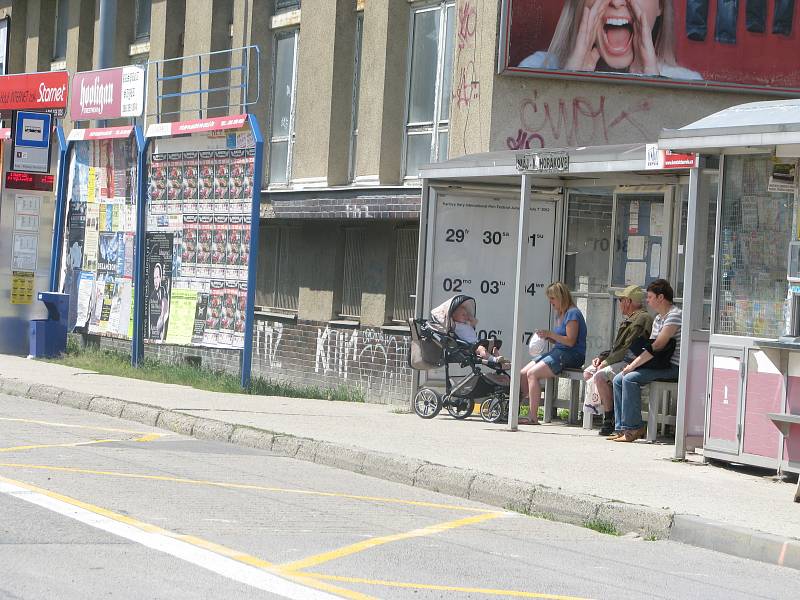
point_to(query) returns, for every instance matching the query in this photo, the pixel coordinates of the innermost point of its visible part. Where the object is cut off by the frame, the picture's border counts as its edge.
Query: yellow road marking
(442, 588)
(246, 486)
(195, 541)
(150, 437)
(37, 446)
(72, 426)
(313, 561)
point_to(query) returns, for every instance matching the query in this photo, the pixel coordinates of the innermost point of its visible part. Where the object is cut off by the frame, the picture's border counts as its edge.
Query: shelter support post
(252, 265)
(137, 343)
(419, 299)
(693, 274)
(519, 299)
(61, 211)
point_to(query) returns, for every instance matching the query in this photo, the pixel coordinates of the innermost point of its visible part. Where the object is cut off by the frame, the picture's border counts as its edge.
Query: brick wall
(310, 353)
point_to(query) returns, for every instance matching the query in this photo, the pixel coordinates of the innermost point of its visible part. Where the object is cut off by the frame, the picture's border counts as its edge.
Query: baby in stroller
(449, 337)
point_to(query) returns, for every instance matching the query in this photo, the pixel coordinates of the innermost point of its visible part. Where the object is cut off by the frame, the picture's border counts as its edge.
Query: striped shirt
(673, 317)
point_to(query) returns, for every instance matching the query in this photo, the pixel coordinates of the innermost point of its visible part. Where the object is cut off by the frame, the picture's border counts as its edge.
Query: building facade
(354, 96)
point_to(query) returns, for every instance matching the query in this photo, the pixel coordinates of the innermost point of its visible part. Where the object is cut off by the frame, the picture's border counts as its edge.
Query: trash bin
(48, 337)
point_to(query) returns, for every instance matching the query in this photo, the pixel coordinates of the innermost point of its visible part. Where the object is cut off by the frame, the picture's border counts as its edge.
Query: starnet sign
(43, 92)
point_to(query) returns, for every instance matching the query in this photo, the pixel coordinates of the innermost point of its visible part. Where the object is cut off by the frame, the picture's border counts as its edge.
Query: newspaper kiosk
(501, 226)
(31, 152)
(752, 384)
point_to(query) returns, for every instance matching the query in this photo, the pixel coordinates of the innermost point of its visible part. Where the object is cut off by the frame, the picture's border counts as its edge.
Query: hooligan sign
(107, 94)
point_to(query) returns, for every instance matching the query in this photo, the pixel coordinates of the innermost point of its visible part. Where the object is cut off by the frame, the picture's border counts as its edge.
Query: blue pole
(137, 343)
(255, 215)
(61, 209)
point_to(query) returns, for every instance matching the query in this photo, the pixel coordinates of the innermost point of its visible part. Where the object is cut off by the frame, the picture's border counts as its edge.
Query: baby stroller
(434, 344)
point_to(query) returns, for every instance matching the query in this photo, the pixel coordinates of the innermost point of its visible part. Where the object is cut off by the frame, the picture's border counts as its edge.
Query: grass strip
(111, 362)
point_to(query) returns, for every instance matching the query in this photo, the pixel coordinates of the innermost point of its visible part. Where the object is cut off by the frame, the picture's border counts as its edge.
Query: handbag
(661, 358)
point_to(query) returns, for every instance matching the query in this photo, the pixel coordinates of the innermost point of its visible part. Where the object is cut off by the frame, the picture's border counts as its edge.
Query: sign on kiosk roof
(196, 126)
(43, 92)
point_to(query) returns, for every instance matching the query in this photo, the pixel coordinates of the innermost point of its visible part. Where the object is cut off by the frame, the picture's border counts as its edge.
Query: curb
(508, 494)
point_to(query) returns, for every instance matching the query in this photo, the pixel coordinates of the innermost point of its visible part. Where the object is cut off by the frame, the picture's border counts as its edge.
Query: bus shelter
(501, 226)
(750, 387)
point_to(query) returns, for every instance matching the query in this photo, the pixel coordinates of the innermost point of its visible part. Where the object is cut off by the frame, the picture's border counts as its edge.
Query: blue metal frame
(252, 270)
(137, 341)
(64, 149)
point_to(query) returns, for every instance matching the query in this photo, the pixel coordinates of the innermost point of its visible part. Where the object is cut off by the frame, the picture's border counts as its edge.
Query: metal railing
(223, 82)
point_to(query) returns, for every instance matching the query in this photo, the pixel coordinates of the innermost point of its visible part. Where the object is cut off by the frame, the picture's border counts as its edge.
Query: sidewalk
(564, 473)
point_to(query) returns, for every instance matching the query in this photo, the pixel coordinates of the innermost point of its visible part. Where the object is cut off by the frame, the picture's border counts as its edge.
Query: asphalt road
(95, 507)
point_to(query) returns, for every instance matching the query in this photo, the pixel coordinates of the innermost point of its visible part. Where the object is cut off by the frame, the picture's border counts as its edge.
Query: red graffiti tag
(467, 18)
(574, 121)
(468, 87)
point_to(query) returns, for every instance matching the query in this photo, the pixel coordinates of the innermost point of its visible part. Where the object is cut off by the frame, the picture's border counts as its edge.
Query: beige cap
(634, 292)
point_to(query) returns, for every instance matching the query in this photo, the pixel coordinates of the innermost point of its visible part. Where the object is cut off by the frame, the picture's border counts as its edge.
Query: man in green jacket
(637, 323)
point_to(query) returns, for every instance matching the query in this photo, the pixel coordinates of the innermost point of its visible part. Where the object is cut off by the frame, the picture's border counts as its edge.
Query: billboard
(720, 44)
(107, 94)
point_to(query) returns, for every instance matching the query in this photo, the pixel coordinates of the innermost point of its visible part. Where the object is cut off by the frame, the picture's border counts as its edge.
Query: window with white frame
(278, 282)
(430, 85)
(353, 272)
(60, 37)
(141, 30)
(356, 94)
(405, 274)
(283, 102)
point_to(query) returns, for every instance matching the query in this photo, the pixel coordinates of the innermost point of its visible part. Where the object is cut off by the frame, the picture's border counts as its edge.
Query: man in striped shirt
(628, 384)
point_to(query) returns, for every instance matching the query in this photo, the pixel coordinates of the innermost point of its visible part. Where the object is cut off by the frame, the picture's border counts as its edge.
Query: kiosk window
(755, 229)
(640, 234)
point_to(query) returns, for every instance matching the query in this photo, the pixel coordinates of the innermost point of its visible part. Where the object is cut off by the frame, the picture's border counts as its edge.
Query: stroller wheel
(427, 403)
(460, 408)
(494, 409)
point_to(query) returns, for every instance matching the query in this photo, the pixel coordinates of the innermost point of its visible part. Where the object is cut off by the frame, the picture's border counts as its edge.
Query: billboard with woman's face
(735, 44)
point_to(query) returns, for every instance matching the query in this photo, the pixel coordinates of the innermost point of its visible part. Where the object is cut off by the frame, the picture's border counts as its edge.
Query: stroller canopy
(441, 316)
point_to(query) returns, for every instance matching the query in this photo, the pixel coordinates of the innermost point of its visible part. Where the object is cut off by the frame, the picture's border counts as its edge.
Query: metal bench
(575, 377)
(784, 422)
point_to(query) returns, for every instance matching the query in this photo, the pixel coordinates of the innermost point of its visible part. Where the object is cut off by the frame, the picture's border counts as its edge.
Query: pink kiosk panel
(791, 446)
(724, 415)
(764, 395)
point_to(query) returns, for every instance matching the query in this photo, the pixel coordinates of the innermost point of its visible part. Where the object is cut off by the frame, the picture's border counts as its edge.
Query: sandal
(527, 421)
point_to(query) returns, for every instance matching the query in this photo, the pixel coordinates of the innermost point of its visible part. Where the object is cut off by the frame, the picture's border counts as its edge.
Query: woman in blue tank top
(568, 352)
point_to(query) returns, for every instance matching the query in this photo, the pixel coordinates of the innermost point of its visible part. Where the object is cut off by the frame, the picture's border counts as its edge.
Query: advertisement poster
(699, 43)
(182, 311)
(85, 290)
(158, 281)
(200, 316)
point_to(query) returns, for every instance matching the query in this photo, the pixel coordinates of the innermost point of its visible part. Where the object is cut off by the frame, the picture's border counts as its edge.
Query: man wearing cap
(607, 364)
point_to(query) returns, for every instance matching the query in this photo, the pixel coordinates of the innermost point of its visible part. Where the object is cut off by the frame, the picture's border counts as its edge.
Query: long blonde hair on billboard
(570, 21)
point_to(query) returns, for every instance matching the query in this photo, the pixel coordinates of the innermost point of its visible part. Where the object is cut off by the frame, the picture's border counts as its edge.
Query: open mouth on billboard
(618, 34)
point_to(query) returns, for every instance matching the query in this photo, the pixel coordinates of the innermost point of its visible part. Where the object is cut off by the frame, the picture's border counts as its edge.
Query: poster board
(474, 253)
(97, 259)
(198, 233)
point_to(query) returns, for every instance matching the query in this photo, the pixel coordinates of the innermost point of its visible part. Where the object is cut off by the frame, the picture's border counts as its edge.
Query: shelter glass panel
(588, 242)
(755, 229)
(641, 231)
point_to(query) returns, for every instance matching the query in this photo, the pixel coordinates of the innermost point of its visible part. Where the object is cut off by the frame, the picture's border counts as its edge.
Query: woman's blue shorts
(559, 359)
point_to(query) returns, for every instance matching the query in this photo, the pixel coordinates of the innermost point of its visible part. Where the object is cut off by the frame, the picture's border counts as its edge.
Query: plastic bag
(537, 345)
(592, 402)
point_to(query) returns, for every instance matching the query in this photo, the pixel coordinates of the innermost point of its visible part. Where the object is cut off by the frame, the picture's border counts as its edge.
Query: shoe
(615, 435)
(527, 421)
(631, 435)
(607, 430)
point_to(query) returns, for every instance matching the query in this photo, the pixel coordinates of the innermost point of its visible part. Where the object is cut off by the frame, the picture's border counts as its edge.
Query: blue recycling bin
(48, 337)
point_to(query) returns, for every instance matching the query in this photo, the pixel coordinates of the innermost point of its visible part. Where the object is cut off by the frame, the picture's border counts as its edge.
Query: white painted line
(205, 559)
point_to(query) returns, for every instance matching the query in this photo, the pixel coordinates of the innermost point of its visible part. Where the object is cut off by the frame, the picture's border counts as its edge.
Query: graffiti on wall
(268, 341)
(468, 87)
(577, 121)
(363, 357)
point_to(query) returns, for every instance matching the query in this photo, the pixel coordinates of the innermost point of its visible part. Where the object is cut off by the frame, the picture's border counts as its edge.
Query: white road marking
(205, 559)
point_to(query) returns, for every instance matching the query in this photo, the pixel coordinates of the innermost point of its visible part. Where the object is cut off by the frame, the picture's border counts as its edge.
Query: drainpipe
(107, 21)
